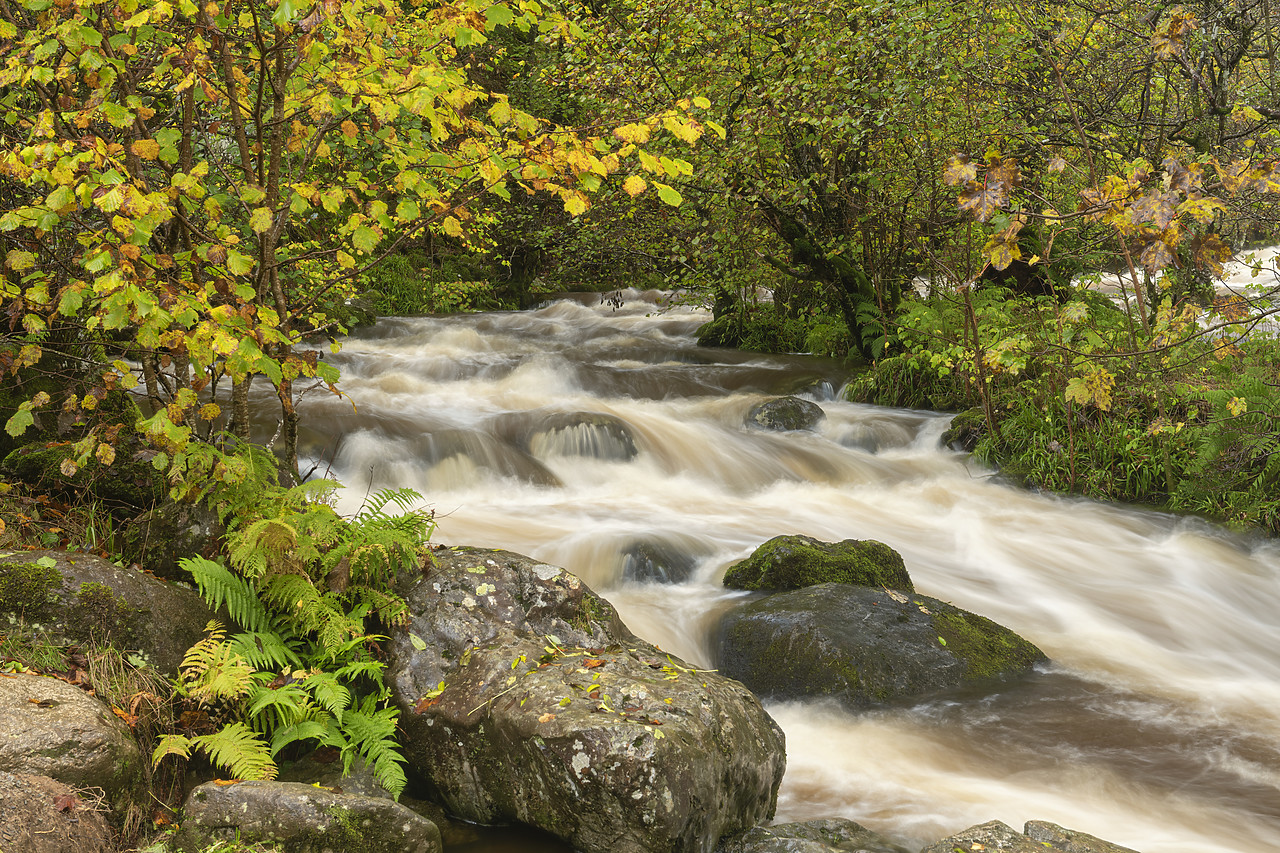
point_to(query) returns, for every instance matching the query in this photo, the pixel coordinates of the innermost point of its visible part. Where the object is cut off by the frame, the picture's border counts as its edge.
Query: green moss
(794, 562)
(98, 614)
(29, 591)
(989, 650)
(128, 481)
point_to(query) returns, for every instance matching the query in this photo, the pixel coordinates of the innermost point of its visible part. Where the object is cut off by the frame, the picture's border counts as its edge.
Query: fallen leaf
(592, 663)
(66, 803)
(546, 718)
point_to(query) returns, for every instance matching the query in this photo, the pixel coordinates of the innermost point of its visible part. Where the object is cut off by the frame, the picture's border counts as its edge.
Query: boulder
(785, 414)
(865, 646)
(300, 818)
(160, 537)
(41, 815)
(814, 836)
(667, 559)
(524, 698)
(1040, 837)
(594, 435)
(965, 430)
(49, 728)
(71, 598)
(793, 562)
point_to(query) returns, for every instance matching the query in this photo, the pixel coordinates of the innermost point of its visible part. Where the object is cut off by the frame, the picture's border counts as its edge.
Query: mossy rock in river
(794, 562)
(865, 646)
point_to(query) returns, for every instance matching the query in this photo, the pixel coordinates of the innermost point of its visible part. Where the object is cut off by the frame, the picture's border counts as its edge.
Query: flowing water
(600, 438)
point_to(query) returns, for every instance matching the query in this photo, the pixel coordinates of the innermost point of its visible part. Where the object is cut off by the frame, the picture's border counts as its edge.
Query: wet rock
(71, 598)
(41, 815)
(301, 818)
(1040, 837)
(865, 646)
(814, 836)
(665, 560)
(793, 562)
(965, 430)
(160, 537)
(324, 768)
(49, 728)
(590, 434)
(524, 698)
(785, 414)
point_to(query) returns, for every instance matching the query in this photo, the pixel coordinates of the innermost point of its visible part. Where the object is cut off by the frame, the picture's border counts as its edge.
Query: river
(1157, 725)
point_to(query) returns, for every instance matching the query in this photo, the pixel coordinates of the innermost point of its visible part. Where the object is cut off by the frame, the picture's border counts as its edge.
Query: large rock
(793, 562)
(49, 728)
(301, 818)
(80, 599)
(865, 646)
(1039, 837)
(524, 698)
(814, 836)
(41, 815)
(785, 414)
(159, 538)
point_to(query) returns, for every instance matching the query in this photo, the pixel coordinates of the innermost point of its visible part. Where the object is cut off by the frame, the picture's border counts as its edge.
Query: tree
(188, 186)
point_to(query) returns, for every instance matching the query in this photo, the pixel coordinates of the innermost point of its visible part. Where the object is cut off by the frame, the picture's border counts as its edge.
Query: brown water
(1158, 724)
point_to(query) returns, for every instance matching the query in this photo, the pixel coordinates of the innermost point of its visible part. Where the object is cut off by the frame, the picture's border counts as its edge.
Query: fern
(211, 669)
(236, 748)
(219, 586)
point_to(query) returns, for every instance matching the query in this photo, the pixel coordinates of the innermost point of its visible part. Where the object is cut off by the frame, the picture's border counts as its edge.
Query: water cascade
(603, 440)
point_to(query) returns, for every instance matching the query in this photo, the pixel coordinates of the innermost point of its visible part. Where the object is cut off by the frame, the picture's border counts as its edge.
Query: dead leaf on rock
(546, 718)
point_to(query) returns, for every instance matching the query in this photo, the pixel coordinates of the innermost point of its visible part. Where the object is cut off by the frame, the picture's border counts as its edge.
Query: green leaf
(364, 239)
(18, 424)
(498, 16)
(238, 264)
(669, 195)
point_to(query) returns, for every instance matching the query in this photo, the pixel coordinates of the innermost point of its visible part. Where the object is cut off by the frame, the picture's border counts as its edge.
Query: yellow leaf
(634, 185)
(451, 226)
(147, 149)
(575, 205)
(68, 467)
(106, 453)
(349, 129)
(637, 134)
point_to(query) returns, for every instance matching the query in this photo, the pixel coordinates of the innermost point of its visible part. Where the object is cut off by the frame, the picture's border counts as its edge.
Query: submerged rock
(668, 559)
(785, 414)
(41, 815)
(300, 818)
(49, 728)
(1039, 837)
(793, 562)
(524, 698)
(814, 836)
(68, 598)
(865, 646)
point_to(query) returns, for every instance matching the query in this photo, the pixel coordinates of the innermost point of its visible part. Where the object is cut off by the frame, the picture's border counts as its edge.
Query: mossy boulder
(785, 414)
(68, 598)
(129, 482)
(865, 646)
(794, 562)
(965, 430)
(300, 818)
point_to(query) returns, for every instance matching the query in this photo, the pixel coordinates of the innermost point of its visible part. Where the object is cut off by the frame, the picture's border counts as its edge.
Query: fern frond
(240, 751)
(322, 729)
(371, 732)
(218, 585)
(284, 706)
(171, 745)
(265, 544)
(328, 692)
(266, 650)
(212, 670)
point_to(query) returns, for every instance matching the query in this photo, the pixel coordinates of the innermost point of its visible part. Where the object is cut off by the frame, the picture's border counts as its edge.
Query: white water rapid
(1157, 726)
